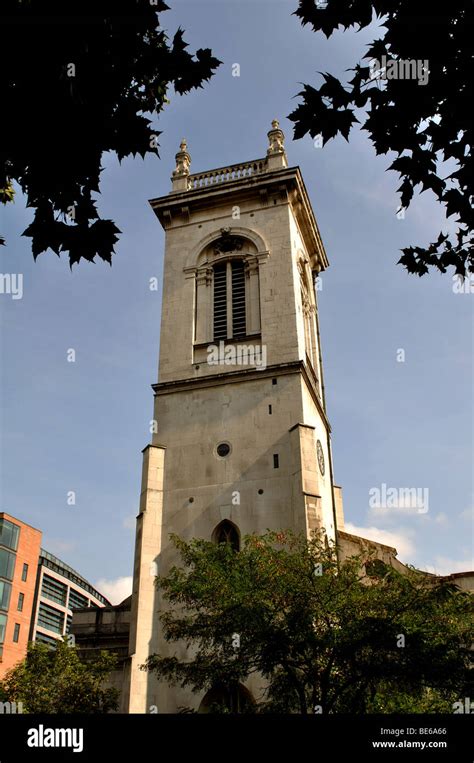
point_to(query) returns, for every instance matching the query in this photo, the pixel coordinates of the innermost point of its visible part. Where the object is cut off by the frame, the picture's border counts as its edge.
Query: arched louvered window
(238, 298)
(229, 300)
(220, 301)
(227, 532)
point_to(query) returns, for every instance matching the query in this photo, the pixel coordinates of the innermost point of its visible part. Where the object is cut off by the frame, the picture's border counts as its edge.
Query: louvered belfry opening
(229, 300)
(220, 301)
(238, 298)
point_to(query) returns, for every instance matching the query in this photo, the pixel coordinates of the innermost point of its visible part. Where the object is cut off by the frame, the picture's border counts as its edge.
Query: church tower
(242, 440)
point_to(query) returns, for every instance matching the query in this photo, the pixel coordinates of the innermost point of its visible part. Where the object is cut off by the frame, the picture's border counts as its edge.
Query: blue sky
(81, 426)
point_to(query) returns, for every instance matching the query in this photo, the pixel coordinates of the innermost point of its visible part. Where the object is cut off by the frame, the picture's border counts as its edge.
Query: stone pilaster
(144, 618)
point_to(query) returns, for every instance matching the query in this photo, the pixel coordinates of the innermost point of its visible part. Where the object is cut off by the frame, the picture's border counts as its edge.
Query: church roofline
(361, 539)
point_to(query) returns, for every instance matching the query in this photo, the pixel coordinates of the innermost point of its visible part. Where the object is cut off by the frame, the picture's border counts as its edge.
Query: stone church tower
(242, 440)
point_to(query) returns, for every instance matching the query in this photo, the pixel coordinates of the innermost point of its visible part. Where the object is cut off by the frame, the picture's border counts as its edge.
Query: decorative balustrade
(226, 174)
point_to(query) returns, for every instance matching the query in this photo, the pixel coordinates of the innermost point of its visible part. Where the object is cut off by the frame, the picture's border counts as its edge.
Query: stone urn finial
(181, 171)
(276, 147)
(183, 160)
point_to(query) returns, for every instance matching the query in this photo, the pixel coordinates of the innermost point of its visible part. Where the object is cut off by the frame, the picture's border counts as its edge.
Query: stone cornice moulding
(287, 180)
(216, 379)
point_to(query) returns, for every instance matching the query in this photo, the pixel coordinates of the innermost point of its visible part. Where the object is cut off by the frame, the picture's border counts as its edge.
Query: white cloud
(400, 539)
(115, 590)
(399, 510)
(468, 514)
(445, 566)
(441, 519)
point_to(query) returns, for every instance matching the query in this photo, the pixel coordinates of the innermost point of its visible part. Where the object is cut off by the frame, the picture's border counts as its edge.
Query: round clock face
(320, 454)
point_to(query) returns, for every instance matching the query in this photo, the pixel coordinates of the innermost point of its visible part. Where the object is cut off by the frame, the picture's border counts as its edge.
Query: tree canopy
(327, 637)
(57, 681)
(73, 87)
(413, 94)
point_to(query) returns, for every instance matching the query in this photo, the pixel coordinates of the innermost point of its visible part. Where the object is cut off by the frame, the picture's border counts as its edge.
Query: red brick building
(19, 553)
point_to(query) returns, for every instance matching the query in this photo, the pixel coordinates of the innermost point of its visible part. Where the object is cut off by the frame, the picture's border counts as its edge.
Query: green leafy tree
(74, 86)
(426, 121)
(57, 681)
(327, 637)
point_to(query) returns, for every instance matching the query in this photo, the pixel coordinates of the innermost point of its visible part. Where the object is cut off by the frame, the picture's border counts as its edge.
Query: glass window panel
(77, 600)
(44, 639)
(9, 534)
(53, 589)
(3, 625)
(5, 591)
(7, 564)
(50, 618)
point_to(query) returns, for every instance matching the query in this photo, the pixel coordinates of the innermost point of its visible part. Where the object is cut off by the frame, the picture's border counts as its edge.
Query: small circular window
(223, 449)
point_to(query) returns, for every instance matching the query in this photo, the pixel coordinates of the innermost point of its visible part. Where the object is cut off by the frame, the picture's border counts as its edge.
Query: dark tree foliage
(58, 681)
(429, 126)
(77, 81)
(323, 638)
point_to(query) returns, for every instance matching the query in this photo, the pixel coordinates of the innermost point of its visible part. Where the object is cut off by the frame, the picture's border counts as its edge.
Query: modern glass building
(59, 591)
(38, 592)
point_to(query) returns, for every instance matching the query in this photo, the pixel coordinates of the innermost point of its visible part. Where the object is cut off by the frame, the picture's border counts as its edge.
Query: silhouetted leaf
(428, 116)
(81, 87)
